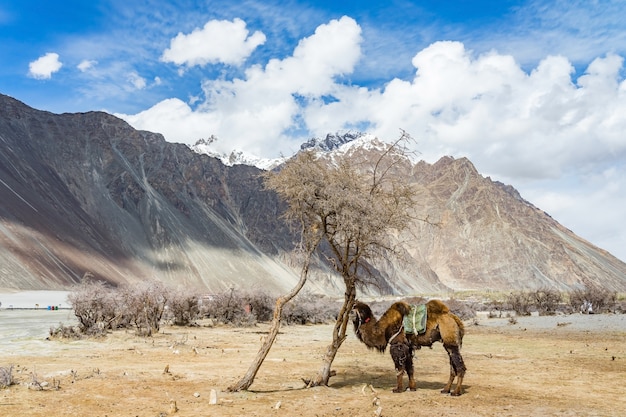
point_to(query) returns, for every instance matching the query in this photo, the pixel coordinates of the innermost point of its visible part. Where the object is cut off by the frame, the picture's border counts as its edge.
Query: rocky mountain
(87, 193)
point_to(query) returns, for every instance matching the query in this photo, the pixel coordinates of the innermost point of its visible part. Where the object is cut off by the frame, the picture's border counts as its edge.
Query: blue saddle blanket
(415, 321)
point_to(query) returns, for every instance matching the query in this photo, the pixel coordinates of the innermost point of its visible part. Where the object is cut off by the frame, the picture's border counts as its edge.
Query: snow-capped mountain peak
(332, 143)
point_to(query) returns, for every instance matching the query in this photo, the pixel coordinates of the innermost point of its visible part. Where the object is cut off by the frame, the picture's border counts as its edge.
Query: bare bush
(6, 376)
(461, 309)
(65, 332)
(100, 308)
(230, 307)
(183, 307)
(244, 309)
(260, 305)
(592, 299)
(310, 309)
(547, 301)
(94, 306)
(144, 304)
(521, 302)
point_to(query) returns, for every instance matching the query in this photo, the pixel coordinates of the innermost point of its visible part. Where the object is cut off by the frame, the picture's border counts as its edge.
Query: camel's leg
(446, 389)
(399, 383)
(410, 371)
(401, 355)
(457, 369)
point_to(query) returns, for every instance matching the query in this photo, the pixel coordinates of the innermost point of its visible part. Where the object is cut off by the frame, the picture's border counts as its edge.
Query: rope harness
(396, 334)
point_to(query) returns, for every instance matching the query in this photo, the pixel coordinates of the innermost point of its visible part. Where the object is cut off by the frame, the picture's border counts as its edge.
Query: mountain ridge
(86, 192)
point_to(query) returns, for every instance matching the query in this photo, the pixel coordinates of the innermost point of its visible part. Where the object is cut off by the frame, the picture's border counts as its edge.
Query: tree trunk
(248, 378)
(339, 335)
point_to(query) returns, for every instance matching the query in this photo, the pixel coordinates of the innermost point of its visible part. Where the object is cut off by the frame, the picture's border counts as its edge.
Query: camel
(441, 326)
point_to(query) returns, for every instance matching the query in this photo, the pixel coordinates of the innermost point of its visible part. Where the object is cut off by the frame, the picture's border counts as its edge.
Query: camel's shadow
(378, 383)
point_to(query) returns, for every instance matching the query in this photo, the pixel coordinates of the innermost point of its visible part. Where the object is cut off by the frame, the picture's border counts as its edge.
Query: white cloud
(219, 41)
(86, 65)
(536, 125)
(43, 67)
(511, 123)
(137, 81)
(175, 119)
(254, 113)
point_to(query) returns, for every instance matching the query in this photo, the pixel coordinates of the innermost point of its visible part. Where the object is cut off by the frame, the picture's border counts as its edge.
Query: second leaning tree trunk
(248, 378)
(339, 336)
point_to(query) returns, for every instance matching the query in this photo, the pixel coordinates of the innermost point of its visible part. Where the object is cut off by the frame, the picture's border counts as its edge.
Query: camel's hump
(402, 307)
(437, 307)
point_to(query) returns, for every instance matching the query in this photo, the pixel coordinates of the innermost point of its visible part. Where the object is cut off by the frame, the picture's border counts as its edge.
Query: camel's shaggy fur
(441, 326)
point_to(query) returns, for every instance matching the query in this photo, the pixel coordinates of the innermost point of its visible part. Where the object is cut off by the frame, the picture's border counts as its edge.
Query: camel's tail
(461, 326)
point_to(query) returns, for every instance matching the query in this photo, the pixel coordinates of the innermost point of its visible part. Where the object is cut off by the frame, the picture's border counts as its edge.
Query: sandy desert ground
(572, 365)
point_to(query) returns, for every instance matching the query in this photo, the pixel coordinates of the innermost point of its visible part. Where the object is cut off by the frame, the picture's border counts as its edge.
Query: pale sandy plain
(568, 365)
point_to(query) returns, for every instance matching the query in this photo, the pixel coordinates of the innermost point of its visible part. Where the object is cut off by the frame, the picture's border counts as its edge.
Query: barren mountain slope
(86, 192)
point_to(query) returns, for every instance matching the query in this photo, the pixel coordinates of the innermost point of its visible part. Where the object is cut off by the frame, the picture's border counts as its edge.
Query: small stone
(213, 397)
(196, 394)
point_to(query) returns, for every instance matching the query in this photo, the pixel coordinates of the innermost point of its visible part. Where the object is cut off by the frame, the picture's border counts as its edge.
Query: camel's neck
(373, 335)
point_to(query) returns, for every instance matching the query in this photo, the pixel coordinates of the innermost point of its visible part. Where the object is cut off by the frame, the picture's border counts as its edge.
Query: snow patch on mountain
(236, 157)
(332, 145)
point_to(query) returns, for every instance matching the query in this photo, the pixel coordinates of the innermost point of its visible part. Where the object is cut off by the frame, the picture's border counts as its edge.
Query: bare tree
(349, 208)
(360, 205)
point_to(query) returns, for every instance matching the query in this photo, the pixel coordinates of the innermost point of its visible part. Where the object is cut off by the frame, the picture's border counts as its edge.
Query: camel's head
(362, 314)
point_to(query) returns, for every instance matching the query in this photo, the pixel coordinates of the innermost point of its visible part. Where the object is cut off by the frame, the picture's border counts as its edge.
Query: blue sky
(532, 92)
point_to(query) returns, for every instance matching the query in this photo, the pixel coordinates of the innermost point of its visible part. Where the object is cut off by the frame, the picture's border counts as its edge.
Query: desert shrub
(6, 376)
(521, 302)
(100, 308)
(240, 308)
(310, 309)
(144, 305)
(229, 307)
(600, 299)
(460, 308)
(260, 305)
(65, 332)
(94, 306)
(547, 301)
(183, 307)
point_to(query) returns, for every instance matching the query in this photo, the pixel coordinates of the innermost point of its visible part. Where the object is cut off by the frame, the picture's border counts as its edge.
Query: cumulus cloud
(86, 65)
(174, 118)
(255, 113)
(43, 67)
(219, 41)
(508, 121)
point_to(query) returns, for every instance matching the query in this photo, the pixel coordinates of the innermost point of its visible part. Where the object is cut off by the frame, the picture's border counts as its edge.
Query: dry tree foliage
(354, 206)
